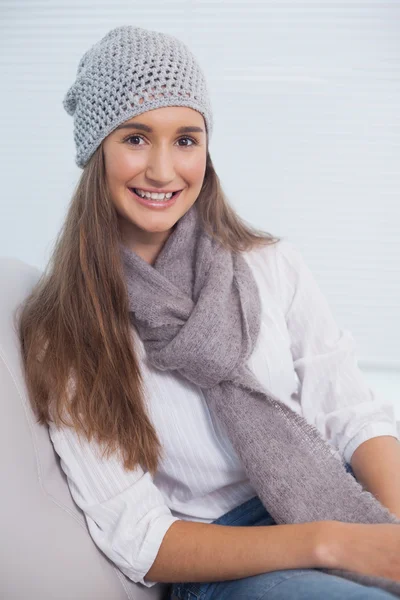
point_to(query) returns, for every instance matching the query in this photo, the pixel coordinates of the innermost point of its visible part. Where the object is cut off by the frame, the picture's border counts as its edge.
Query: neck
(144, 244)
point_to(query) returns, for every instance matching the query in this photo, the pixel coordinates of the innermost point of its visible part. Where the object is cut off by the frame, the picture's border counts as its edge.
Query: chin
(154, 224)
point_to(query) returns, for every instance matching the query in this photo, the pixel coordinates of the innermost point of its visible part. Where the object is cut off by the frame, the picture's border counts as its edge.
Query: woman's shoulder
(281, 258)
(283, 248)
(276, 268)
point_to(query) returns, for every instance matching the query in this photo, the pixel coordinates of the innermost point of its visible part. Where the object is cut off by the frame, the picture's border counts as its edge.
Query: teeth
(153, 196)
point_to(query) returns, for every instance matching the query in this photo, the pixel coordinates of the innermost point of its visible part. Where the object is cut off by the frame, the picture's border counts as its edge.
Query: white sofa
(47, 552)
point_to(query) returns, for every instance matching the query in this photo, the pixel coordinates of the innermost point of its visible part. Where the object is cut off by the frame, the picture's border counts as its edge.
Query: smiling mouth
(151, 202)
(145, 197)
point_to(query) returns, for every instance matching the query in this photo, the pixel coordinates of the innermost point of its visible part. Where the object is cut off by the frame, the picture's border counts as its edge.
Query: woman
(146, 461)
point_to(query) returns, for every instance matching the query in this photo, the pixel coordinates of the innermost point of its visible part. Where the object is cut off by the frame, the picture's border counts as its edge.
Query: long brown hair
(74, 328)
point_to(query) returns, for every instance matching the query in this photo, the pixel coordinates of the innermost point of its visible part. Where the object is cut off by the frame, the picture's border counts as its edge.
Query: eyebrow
(143, 127)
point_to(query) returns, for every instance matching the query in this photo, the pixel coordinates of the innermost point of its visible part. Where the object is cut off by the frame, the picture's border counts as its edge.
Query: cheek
(195, 170)
(122, 166)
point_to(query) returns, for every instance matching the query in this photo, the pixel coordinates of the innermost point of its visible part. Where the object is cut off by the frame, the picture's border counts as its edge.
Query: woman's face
(150, 153)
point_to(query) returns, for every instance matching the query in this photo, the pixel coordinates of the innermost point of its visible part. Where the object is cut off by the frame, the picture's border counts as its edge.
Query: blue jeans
(290, 584)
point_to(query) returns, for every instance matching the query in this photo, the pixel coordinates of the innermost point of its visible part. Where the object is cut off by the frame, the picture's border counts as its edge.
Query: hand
(366, 549)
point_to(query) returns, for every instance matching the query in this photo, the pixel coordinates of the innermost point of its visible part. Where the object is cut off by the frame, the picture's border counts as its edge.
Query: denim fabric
(290, 584)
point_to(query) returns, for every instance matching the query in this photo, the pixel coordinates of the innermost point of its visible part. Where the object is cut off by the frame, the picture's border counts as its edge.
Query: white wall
(306, 140)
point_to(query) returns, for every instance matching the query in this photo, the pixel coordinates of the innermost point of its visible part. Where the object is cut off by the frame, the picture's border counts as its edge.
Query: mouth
(151, 203)
(135, 190)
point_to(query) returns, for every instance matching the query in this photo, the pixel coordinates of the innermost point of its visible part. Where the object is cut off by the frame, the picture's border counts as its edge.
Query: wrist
(330, 544)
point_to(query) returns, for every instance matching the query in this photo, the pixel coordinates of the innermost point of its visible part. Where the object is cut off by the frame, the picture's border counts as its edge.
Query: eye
(194, 142)
(131, 137)
(139, 137)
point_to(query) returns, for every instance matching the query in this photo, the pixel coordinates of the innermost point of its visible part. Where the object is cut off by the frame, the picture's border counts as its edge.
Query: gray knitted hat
(130, 71)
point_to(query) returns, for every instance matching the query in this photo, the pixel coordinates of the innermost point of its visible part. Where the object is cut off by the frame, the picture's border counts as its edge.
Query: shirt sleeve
(125, 512)
(334, 394)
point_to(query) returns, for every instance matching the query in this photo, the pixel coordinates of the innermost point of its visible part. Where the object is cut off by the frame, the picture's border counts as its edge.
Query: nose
(160, 166)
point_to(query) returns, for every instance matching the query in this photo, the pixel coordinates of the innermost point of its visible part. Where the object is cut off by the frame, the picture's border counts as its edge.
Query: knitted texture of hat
(129, 71)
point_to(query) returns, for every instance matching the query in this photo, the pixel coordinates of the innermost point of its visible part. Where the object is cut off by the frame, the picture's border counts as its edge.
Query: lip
(155, 191)
(153, 203)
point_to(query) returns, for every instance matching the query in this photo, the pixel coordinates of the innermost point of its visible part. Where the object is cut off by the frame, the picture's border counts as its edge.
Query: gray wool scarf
(197, 311)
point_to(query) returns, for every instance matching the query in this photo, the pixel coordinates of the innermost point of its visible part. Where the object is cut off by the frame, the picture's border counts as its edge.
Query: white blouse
(301, 355)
